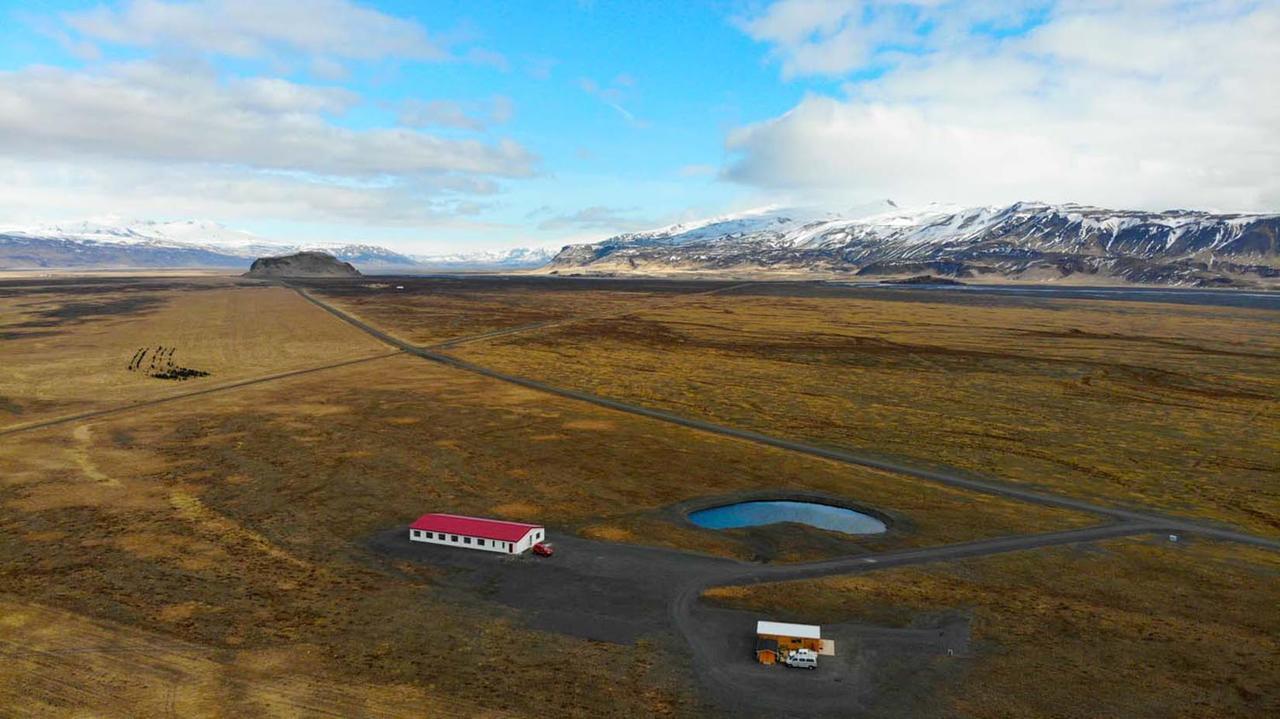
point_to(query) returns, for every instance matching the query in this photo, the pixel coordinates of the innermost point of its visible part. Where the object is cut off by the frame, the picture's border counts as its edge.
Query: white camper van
(802, 659)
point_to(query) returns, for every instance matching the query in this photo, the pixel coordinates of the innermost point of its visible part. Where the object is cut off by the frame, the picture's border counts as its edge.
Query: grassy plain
(233, 524)
(208, 555)
(67, 345)
(431, 310)
(1163, 405)
(59, 663)
(203, 542)
(1125, 628)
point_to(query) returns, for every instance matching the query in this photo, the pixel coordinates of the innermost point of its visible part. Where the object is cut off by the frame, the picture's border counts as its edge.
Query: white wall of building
(533, 537)
(530, 538)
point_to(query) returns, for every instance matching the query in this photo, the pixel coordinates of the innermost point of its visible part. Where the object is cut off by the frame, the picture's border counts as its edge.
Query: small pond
(753, 514)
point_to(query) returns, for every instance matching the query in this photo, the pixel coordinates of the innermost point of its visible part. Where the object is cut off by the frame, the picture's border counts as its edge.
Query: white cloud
(1149, 105)
(259, 28)
(459, 115)
(328, 69)
(797, 22)
(438, 113)
(274, 95)
(182, 132)
(149, 111)
(70, 190)
(824, 37)
(834, 37)
(597, 217)
(147, 138)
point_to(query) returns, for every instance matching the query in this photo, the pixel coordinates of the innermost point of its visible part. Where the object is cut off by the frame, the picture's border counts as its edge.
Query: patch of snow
(514, 257)
(932, 231)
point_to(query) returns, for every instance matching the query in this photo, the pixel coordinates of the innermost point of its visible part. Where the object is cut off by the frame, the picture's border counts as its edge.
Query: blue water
(754, 514)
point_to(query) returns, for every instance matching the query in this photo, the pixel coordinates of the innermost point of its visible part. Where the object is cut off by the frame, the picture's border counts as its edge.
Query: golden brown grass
(240, 550)
(222, 535)
(1130, 628)
(233, 521)
(429, 311)
(1170, 406)
(58, 663)
(67, 348)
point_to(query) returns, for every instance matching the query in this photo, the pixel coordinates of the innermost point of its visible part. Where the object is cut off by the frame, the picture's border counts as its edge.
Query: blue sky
(442, 126)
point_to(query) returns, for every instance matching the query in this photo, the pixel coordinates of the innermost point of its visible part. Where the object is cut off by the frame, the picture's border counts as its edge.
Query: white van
(802, 659)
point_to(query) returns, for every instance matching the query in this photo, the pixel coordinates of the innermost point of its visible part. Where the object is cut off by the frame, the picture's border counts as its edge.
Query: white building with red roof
(490, 535)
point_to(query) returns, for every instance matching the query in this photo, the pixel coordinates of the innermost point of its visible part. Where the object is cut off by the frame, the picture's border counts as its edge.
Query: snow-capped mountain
(1027, 240)
(116, 242)
(113, 229)
(368, 256)
(517, 258)
(742, 224)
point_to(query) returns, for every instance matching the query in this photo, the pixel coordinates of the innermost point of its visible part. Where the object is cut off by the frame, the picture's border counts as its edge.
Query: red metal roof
(474, 526)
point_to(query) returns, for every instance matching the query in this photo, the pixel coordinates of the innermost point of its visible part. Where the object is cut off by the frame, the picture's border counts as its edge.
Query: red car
(542, 549)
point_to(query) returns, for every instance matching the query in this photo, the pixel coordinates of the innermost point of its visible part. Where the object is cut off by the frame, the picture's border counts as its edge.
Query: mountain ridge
(118, 243)
(1023, 241)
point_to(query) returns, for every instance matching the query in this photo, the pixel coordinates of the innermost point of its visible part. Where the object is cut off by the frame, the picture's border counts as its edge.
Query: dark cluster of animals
(158, 363)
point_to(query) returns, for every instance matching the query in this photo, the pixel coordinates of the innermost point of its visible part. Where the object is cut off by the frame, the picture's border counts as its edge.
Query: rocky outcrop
(302, 264)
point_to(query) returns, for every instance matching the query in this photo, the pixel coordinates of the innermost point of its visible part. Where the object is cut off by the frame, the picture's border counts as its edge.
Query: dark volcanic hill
(302, 264)
(1024, 241)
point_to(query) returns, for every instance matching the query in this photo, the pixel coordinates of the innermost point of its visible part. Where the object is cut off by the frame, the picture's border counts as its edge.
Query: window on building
(466, 540)
(480, 542)
(427, 535)
(453, 537)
